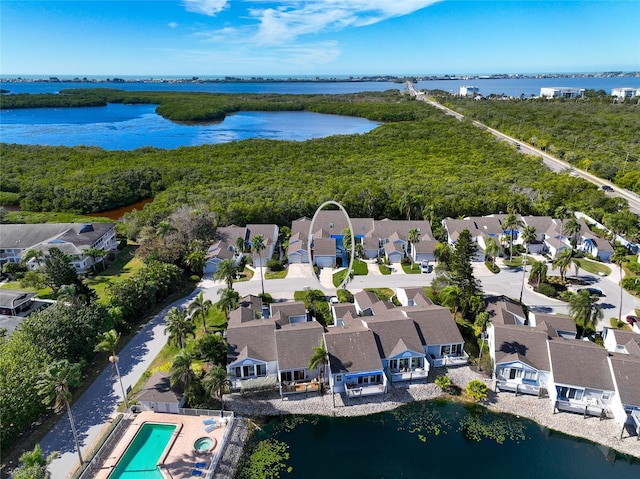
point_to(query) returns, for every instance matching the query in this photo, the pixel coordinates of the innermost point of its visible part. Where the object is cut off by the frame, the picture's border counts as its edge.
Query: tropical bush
(477, 389)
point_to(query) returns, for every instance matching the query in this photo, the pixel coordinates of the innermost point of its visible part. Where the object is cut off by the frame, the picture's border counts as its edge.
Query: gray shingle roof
(503, 310)
(626, 370)
(385, 228)
(25, 236)
(255, 337)
(352, 350)
(552, 323)
(580, 363)
(324, 247)
(435, 325)
(390, 332)
(158, 389)
(521, 343)
(295, 343)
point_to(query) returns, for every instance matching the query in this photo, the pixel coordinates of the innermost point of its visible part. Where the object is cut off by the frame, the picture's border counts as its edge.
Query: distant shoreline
(302, 79)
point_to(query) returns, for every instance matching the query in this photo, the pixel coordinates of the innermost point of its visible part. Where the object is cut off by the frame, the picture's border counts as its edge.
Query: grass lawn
(515, 262)
(383, 294)
(276, 274)
(360, 268)
(44, 293)
(245, 275)
(384, 269)
(125, 265)
(593, 267)
(411, 268)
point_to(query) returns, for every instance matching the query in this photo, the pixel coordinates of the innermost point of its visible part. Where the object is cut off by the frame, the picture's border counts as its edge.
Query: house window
(453, 349)
(299, 375)
(531, 375)
(330, 225)
(404, 363)
(247, 371)
(338, 378)
(606, 396)
(286, 376)
(416, 362)
(569, 393)
(515, 373)
(393, 364)
(238, 372)
(261, 370)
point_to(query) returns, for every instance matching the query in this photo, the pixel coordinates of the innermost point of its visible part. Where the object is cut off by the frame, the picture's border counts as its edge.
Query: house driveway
(299, 270)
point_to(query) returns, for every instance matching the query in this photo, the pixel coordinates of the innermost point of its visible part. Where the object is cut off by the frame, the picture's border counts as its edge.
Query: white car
(425, 267)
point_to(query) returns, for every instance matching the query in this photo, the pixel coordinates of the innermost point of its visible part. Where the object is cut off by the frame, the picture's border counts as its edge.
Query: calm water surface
(440, 440)
(127, 127)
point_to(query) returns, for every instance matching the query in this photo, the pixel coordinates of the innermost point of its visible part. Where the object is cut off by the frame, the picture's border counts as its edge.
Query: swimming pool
(141, 457)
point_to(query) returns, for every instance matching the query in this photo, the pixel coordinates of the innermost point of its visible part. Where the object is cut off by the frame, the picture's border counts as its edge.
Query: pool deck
(179, 460)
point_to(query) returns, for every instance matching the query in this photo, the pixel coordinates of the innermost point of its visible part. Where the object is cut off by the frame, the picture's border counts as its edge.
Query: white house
(561, 92)
(469, 91)
(623, 93)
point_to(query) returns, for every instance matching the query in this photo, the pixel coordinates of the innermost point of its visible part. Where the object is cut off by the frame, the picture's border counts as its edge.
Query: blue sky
(321, 37)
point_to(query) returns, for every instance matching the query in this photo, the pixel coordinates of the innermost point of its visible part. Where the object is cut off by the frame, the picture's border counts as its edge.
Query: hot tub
(205, 444)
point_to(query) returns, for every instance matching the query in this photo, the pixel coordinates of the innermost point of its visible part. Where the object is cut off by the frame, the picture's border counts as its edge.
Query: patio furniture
(196, 472)
(210, 427)
(209, 420)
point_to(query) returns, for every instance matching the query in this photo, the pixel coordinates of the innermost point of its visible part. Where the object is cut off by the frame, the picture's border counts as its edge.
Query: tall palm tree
(510, 223)
(36, 255)
(240, 245)
(216, 383)
(200, 307)
(563, 260)
(257, 246)
(108, 342)
(34, 464)
(226, 271)
(181, 374)
(491, 248)
(347, 239)
(618, 257)
(584, 311)
(572, 228)
(179, 326)
(319, 360)
(54, 385)
(228, 301)
(94, 254)
(538, 272)
(413, 237)
(562, 213)
(528, 236)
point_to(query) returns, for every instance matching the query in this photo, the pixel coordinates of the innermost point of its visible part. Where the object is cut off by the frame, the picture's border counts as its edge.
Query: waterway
(439, 439)
(127, 127)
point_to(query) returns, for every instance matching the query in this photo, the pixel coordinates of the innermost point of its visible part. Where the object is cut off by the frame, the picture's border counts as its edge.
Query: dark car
(592, 291)
(607, 188)
(633, 319)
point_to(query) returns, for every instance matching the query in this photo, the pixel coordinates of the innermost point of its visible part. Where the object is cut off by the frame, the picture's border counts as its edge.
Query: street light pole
(524, 272)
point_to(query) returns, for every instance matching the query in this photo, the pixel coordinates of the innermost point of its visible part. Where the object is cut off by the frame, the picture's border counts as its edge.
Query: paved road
(95, 408)
(550, 161)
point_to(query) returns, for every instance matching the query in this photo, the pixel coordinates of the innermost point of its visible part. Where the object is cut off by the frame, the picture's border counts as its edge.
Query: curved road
(550, 161)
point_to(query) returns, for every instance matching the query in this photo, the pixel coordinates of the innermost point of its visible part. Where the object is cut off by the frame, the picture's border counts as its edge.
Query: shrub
(344, 296)
(266, 298)
(491, 266)
(547, 290)
(477, 389)
(194, 277)
(211, 347)
(443, 382)
(275, 265)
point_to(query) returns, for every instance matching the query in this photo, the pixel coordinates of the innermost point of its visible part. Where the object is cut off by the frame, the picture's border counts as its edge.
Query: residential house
(622, 93)
(424, 251)
(73, 239)
(251, 348)
(413, 296)
(469, 91)
(503, 310)
(399, 345)
(561, 92)
(354, 362)
(619, 341)
(554, 325)
(227, 238)
(394, 252)
(625, 405)
(295, 343)
(12, 303)
(370, 247)
(480, 228)
(323, 252)
(364, 301)
(339, 310)
(298, 251)
(218, 252)
(580, 379)
(520, 359)
(269, 233)
(439, 334)
(289, 312)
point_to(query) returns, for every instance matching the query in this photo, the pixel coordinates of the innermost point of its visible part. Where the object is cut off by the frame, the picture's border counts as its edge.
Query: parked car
(517, 146)
(592, 291)
(425, 267)
(633, 319)
(607, 188)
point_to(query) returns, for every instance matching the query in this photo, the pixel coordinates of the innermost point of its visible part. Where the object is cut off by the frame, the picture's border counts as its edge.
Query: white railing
(408, 375)
(359, 390)
(107, 447)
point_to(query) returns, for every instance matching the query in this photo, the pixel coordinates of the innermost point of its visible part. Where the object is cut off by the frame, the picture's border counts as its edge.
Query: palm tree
(528, 235)
(54, 386)
(538, 272)
(216, 383)
(257, 246)
(226, 271)
(108, 343)
(510, 223)
(200, 307)
(572, 228)
(34, 464)
(347, 240)
(94, 254)
(179, 326)
(195, 261)
(240, 245)
(406, 204)
(491, 249)
(562, 260)
(413, 237)
(318, 360)
(584, 311)
(181, 374)
(36, 255)
(618, 257)
(450, 297)
(562, 213)
(228, 301)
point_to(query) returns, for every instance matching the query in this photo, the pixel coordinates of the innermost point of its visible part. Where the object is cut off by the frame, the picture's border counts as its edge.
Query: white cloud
(293, 18)
(172, 25)
(206, 7)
